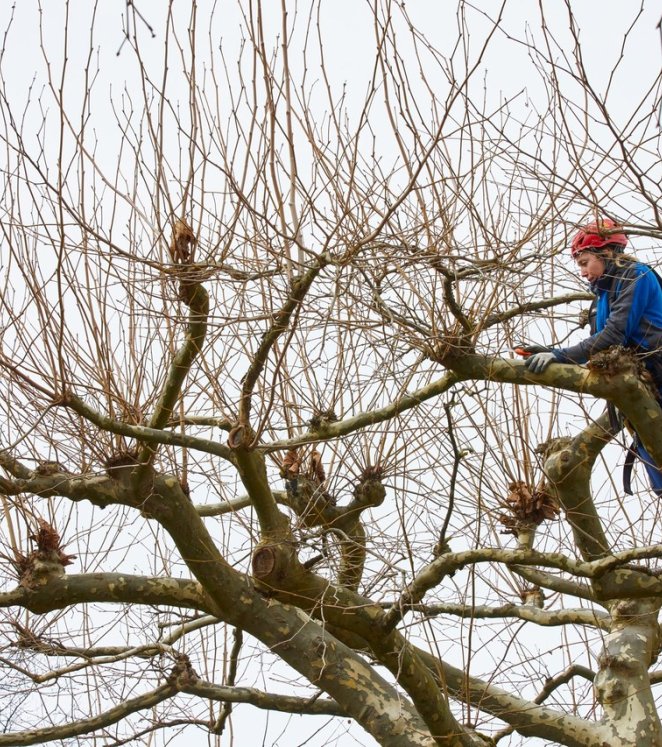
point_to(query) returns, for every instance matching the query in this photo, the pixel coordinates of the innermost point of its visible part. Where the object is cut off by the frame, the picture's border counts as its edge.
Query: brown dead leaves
(306, 477)
(290, 466)
(527, 508)
(316, 468)
(183, 239)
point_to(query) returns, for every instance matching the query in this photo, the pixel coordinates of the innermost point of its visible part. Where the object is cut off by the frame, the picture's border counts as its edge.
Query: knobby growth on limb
(264, 443)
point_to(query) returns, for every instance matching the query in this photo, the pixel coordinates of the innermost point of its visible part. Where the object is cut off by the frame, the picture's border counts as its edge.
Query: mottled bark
(61, 591)
(277, 569)
(569, 472)
(289, 632)
(526, 717)
(622, 684)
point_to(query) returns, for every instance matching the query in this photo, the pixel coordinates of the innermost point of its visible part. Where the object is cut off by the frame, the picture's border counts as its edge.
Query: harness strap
(630, 457)
(616, 419)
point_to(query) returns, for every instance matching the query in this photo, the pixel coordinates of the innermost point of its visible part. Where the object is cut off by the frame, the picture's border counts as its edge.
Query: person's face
(590, 266)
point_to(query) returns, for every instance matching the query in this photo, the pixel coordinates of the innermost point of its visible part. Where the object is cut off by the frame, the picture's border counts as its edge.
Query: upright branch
(193, 294)
(569, 468)
(299, 287)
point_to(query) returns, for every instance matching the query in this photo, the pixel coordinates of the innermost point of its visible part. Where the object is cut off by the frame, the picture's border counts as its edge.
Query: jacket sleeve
(625, 315)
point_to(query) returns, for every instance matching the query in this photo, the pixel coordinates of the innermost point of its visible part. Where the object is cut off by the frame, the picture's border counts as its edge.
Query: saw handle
(527, 350)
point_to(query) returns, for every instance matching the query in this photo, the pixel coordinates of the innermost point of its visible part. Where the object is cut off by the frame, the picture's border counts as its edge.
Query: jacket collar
(603, 283)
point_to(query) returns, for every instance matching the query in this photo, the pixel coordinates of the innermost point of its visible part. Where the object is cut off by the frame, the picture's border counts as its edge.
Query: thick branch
(552, 684)
(84, 726)
(625, 389)
(101, 491)
(569, 472)
(145, 433)
(622, 686)
(197, 299)
(63, 591)
(203, 421)
(313, 706)
(546, 618)
(14, 467)
(195, 296)
(525, 716)
(279, 572)
(435, 572)
(308, 647)
(226, 507)
(429, 696)
(253, 474)
(555, 583)
(620, 583)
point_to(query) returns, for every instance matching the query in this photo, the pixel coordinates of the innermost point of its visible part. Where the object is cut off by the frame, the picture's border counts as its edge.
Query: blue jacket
(628, 313)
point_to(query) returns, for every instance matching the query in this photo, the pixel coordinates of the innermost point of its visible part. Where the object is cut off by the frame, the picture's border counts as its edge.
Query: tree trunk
(622, 685)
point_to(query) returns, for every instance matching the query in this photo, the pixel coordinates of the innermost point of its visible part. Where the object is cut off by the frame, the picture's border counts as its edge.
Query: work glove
(538, 362)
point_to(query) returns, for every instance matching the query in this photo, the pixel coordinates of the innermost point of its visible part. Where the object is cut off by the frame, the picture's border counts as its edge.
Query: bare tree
(263, 439)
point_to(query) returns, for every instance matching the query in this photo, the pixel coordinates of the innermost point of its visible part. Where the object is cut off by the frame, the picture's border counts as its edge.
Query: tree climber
(627, 311)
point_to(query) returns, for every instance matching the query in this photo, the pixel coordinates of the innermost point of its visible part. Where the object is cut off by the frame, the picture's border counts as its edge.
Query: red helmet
(595, 236)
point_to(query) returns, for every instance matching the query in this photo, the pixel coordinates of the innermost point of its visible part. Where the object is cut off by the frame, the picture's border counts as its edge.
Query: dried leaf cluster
(527, 508)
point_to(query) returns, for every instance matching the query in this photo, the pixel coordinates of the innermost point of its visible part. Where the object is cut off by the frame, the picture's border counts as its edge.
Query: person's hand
(538, 362)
